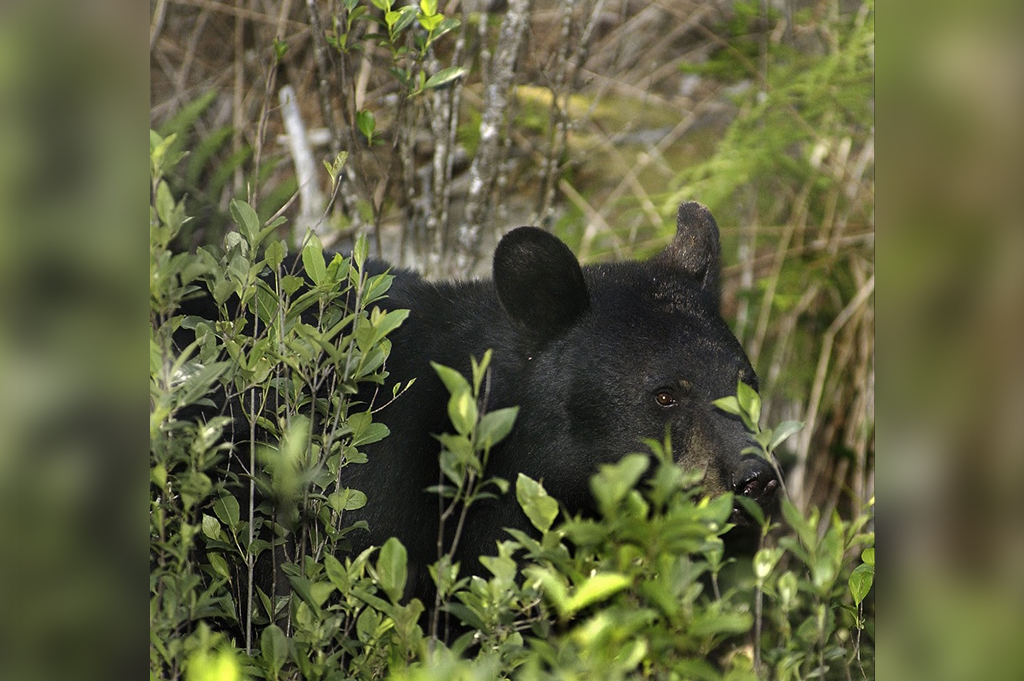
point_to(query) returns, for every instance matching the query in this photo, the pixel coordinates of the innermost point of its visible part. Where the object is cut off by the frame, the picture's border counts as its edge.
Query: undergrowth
(255, 416)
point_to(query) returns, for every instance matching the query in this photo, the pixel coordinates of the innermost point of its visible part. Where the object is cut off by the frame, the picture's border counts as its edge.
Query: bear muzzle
(756, 480)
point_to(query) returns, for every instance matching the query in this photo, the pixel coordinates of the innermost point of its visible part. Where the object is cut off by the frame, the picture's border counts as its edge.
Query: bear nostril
(757, 481)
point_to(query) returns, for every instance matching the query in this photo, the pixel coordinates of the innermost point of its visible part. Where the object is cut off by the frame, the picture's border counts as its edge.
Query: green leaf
(313, 261)
(479, 369)
(613, 481)
(445, 26)
(750, 403)
(200, 383)
(861, 579)
(158, 474)
(398, 20)
(320, 592)
(823, 572)
(226, 508)
(158, 148)
(274, 646)
(334, 168)
(346, 500)
(495, 426)
(462, 411)
(366, 123)
(783, 431)
(392, 568)
(452, 379)
(219, 565)
(709, 623)
(361, 251)
(596, 589)
(290, 284)
(445, 76)
(729, 405)
(280, 48)
(275, 253)
(718, 509)
(868, 556)
(246, 219)
(367, 625)
(551, 584)
(787, 587)
(751, 507)
(373, 432)
(354, 13)
(337, 573)
(803, 527)
(388, 323)
(164, 204)
(540, 508)
(407, 15)
(301, 586)
(211, 528)
(765, 561)
(429, 23)
(697, 669)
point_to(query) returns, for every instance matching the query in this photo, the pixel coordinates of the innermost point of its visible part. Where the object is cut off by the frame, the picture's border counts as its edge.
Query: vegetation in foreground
(644, 590)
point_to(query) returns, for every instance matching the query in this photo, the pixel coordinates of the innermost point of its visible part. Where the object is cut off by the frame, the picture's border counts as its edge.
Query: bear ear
(539, 281)
(695, 249)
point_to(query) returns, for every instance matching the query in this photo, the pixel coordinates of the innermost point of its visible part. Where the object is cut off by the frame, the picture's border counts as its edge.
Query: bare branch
(311, 198)
(485, 165)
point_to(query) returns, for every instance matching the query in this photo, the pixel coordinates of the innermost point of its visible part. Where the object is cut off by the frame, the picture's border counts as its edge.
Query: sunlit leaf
(596, 589)
(392, 568)
(540, 508)
(445, 76)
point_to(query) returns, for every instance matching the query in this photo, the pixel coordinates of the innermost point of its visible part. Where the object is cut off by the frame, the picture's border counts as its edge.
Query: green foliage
(644, 588)
(805, 100)
(400, 24)
(264, 485)
(746, 404)
(207, 169)
(737, 59)
(791, 183)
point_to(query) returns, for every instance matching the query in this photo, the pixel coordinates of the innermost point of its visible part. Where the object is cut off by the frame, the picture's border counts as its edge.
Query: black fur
(586, 353)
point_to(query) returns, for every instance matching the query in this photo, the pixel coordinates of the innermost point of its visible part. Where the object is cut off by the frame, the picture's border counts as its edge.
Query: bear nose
(756, 479)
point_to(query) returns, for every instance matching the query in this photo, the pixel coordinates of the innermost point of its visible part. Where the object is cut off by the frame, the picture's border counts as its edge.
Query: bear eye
(665, 398)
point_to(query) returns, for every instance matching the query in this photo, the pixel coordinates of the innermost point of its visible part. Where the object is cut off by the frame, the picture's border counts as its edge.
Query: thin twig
(159, 13)
(323, 70)
(238, 101)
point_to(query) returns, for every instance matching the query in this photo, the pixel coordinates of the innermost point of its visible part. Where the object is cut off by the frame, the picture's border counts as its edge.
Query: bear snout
(756, 479)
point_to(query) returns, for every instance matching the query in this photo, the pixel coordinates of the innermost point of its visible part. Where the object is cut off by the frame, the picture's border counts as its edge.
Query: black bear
(598, 358)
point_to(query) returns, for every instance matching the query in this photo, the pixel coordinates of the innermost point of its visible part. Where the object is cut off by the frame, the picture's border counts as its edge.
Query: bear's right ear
(539, 281)
(695, 250)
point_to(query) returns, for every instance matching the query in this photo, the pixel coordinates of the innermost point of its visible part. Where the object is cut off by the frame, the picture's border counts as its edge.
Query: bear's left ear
(695, 249)
(539, 281)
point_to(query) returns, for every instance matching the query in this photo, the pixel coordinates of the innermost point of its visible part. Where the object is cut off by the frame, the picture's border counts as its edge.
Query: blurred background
(610, 114)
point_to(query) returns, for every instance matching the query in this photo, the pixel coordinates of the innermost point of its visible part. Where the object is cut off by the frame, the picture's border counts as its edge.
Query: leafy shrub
(253, 421)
